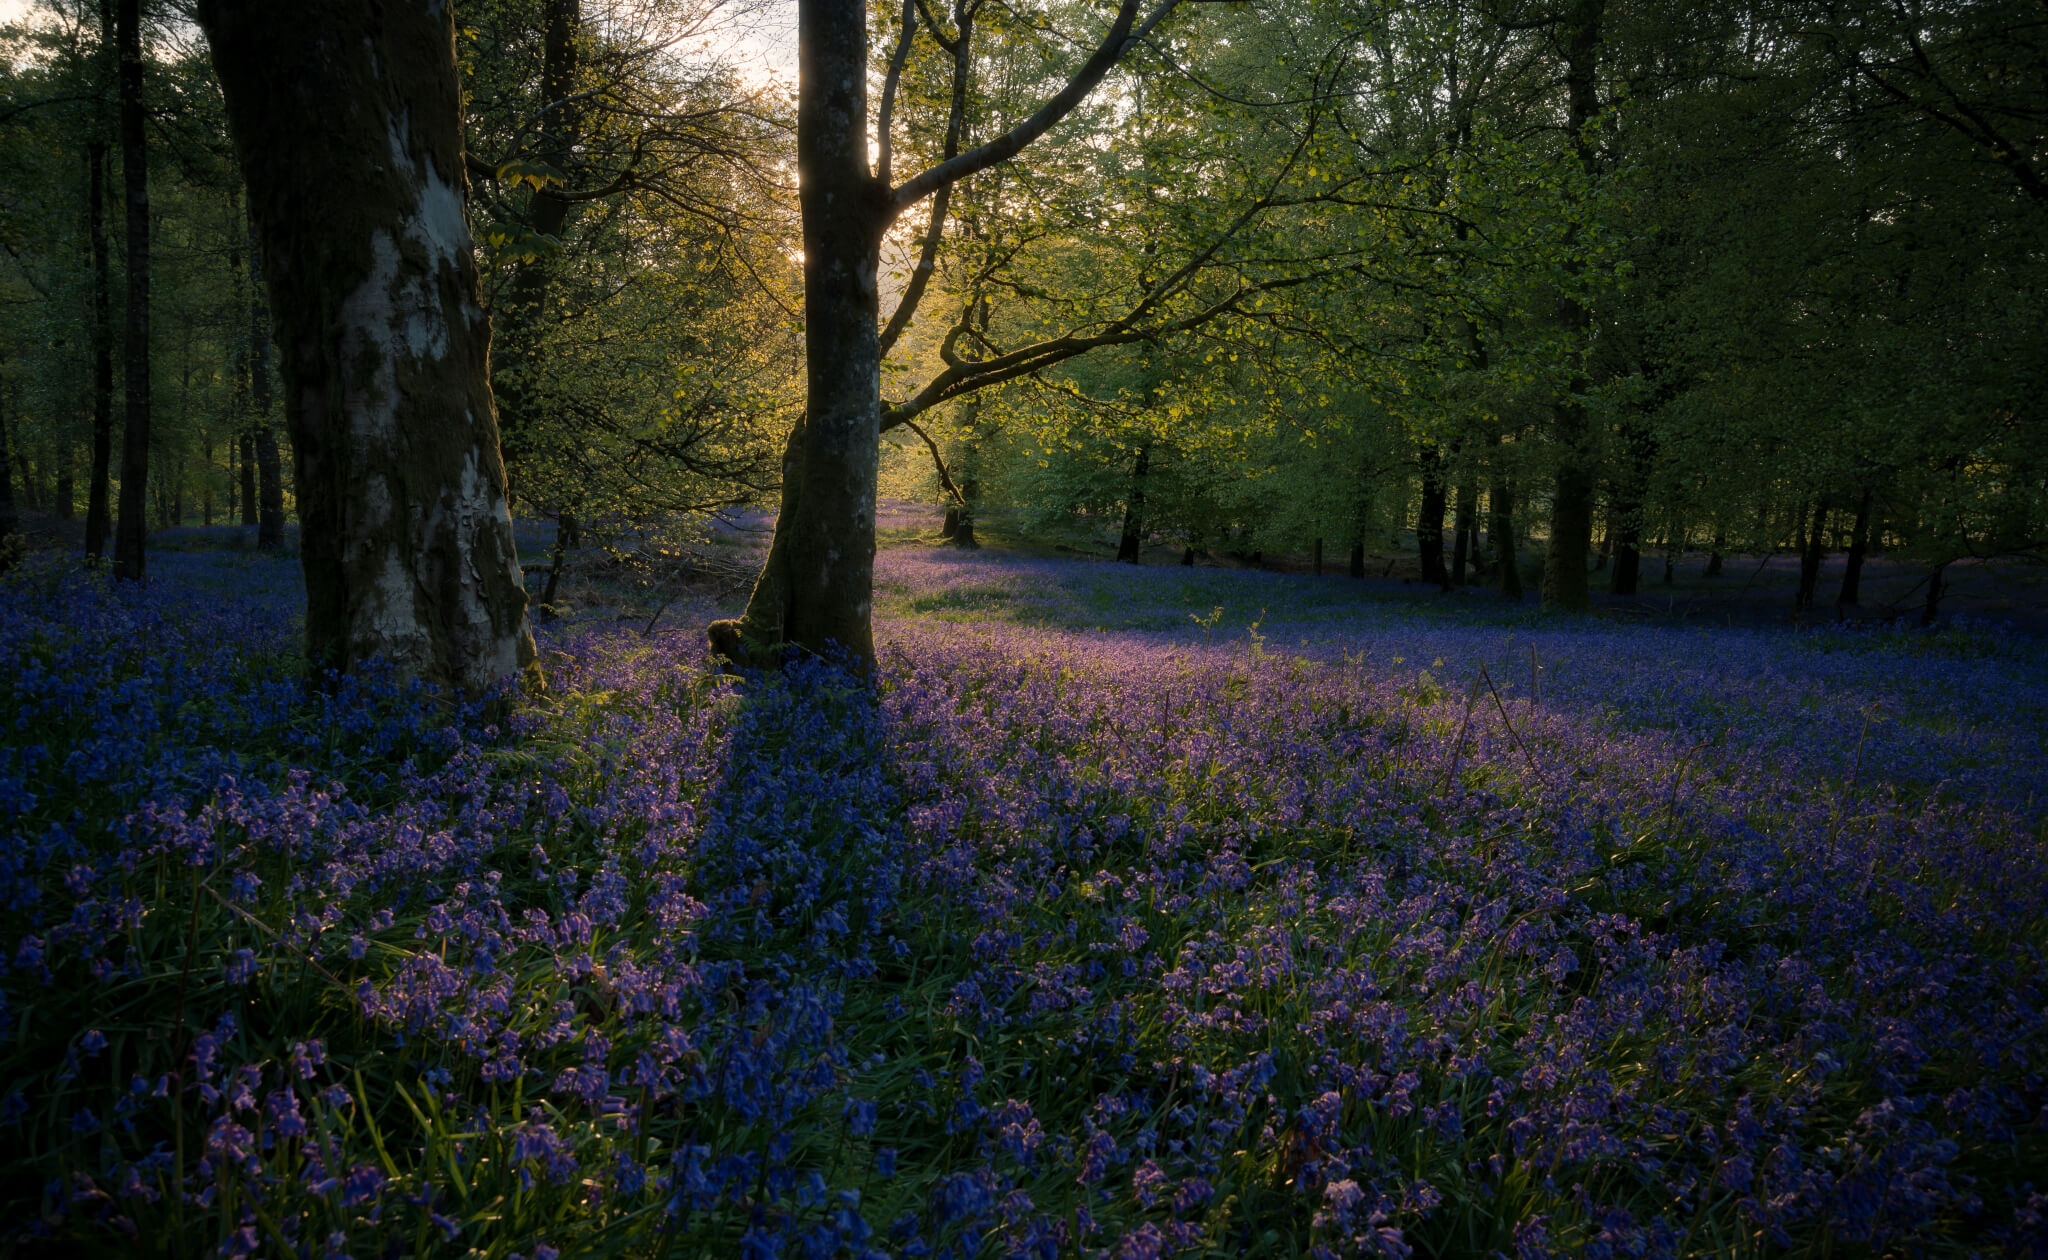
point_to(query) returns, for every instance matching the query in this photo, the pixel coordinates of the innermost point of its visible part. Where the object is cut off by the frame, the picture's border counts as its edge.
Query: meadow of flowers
(1130, 913)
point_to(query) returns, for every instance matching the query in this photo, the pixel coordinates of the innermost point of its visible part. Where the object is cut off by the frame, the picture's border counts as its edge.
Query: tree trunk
(963, 531)
(952, 525)
(131, 527)
(66, 491)
(1500, 525)
(1464, 523)
(206, 485)
(1429, 518)
(406, 537)
(8, 521)
(524, 311)
(1571, 519)
(1859, 546)
(98, 517)
(1810, 557)
(1134, 511)
(1714, 554)
(565, 533)
(245, 448)
(1930, 611)
(1187, 558)
(1318, 562)
(262, 434)
(817, 584)
(1674, 542)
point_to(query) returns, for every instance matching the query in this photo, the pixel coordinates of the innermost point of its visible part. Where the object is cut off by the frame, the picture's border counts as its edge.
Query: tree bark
(98, 516)
(1571, 520)
(131, 526)
(1810, 556)
(406, 538)
(1500, 526)
(1134, 511)
(9, 522)
(1930, 611)
(1318, 561)
(245, 449)
(1859, 546)
(1429, 517)
(816, 586)
(1464, 524)
(269, 474)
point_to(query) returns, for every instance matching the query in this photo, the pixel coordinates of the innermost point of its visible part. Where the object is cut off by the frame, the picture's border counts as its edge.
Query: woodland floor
(1133, 912)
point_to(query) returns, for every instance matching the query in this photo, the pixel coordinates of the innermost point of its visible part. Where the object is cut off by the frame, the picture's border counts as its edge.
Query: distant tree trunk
(406, 539)
(565, 536)
(1810, 556)
(9, 522)
(245, 447)
(1465, 522)
(98, 516)
(1500, 504)
(262, 434)
(1859, 546)
(523, 314)
(1714, 555)
(206, 487)
(131, 526)
(1606, 548)
(952, 525)
(1571, 518)
(66, 491)
(1429, 517)
(970, 498)
(1674, 544)
(1134, 510)
(1318, 562)
(1187, 558)
(1930, 611)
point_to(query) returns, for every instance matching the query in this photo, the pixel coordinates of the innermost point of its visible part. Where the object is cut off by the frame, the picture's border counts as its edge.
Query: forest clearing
(1023, 628)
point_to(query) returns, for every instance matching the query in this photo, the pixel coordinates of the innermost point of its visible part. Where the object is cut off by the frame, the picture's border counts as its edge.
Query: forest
(1024, 628)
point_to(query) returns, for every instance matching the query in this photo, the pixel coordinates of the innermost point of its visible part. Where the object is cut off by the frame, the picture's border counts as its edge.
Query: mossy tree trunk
(406, 536)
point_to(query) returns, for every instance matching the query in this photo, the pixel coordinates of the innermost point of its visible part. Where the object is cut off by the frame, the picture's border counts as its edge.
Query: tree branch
(1112, 48)
(894, 77)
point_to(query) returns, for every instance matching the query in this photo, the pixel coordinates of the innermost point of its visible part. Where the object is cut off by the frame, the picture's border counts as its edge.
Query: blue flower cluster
(1050, 942)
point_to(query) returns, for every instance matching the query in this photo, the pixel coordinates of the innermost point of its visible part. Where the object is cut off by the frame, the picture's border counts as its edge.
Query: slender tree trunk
(1714, 555)
(1930, 611)
(98, 513)
(1500, 523)
(1810, 556)
(131, 528)
(262, 434)
(1466, 522)
(1318, 562)
(66, 490)
(1571, 519)
(1859, 546)
(1187, 558)
(565, 534)
(1429, 518)
(9, 521)
(406, 537)
(206, 488)
(1134, 511)
(523, 314)
(245, 447)
(1674, 543)
(816, 586)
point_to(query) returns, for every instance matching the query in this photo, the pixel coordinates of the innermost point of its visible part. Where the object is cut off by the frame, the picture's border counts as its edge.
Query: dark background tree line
(1631, 281)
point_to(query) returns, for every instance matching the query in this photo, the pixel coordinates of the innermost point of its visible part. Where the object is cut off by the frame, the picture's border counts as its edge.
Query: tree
(817, 582)
(130, 526)
(406, 536)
